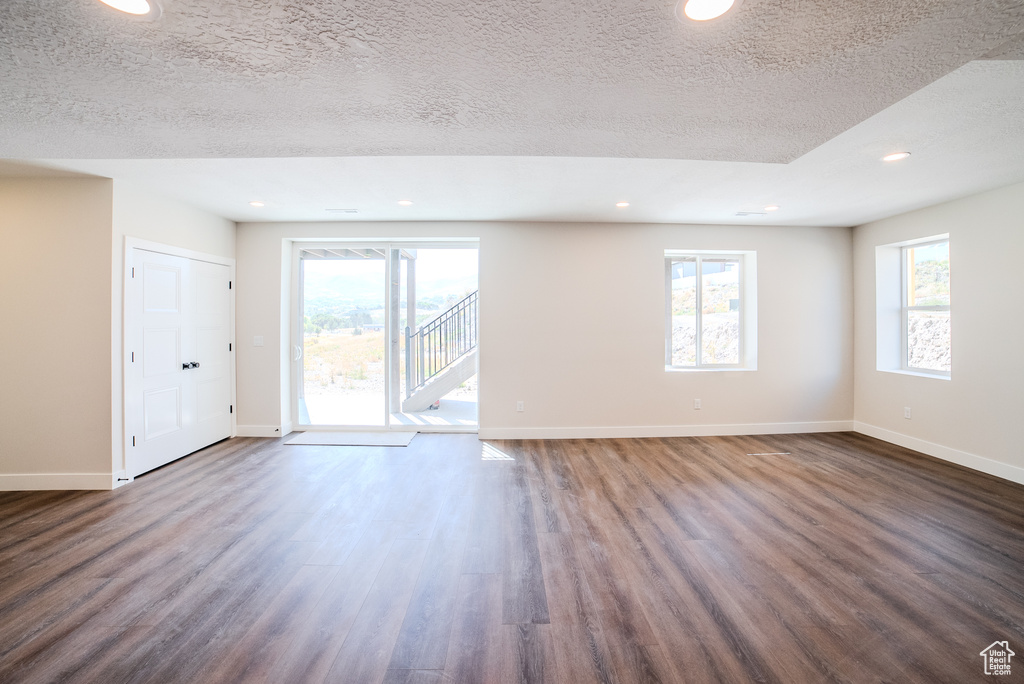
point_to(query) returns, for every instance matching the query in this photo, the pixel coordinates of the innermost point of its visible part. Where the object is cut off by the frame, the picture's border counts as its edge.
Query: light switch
(257, 341)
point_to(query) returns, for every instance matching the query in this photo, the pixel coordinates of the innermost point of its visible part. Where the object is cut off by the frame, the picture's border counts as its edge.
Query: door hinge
(133, 271)
(229, 284)
(231, 408)
(133, 357)
(133, 440)
(229, 346)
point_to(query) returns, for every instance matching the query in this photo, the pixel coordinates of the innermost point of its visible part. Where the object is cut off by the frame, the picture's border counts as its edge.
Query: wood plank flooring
(788, 558)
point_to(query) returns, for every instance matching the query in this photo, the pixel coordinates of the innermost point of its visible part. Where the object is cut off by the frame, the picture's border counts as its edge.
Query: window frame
(906, 308)
(699, 257)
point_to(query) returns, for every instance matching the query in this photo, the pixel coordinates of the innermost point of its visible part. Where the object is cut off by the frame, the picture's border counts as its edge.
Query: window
(912, 314)
(925, 329)
(707, 322)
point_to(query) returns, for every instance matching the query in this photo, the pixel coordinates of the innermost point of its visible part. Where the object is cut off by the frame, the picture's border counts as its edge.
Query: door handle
(186, 366)
(296, 352)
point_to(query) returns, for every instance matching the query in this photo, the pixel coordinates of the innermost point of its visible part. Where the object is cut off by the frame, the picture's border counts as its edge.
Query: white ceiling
(540, 110)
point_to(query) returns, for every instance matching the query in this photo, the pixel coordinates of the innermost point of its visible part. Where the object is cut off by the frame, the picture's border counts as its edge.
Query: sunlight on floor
(492, 453)
(453, 412)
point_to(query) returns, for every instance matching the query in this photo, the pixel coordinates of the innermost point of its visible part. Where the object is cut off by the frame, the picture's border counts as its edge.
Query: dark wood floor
(843, 560)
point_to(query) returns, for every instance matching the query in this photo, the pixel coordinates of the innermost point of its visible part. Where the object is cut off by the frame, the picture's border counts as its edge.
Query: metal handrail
(440, 343)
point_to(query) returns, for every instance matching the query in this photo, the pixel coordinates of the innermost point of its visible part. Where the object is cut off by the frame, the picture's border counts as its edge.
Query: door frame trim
(296, 331)
(132, 243)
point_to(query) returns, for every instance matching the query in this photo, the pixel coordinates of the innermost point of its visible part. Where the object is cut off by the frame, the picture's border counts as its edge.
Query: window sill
(919, 374)
(733, 369)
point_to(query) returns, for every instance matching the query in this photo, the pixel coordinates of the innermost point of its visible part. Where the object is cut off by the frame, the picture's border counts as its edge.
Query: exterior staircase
(440, 355)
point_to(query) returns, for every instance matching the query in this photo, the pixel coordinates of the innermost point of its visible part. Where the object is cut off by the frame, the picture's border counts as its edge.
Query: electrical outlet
(519, 407)
(257, 340)
(696, 404)
(906, 412)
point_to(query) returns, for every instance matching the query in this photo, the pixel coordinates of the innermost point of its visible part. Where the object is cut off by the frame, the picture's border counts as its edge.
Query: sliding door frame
(392, 333)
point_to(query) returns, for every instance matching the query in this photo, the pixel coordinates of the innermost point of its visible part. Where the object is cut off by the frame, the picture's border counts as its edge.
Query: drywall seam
(968, 460)
(621, 431)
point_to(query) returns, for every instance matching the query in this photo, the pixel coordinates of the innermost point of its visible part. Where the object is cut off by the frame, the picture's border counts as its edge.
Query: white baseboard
(261, 431)
(15, 482)
(968, 460)
(665, 430)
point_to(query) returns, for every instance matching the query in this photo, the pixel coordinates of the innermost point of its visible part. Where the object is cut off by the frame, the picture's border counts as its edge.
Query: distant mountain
(338, 293)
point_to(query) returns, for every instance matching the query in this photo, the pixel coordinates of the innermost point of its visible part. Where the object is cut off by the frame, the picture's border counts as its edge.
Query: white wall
(55, 306)
(572, 323)
(974, 418)
(138, 213)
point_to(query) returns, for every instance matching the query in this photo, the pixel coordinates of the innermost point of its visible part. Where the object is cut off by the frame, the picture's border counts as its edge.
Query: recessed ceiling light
(895, 156)
(257, 203)
(129, 6)
(772, 207)
(404, 203)
(146, 10)
(622, 205)
(703, 10)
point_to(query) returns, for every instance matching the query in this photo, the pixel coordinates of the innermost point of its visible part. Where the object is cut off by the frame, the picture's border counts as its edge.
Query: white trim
(415, 242)
(14, 482)
(395, 427)
(120, 479)
(968, 460)
(611, 432)
(921, 241)
(937, 375)
(262, 430)
(296, 335)
(676, 253)
(708, 369)
(149, 246)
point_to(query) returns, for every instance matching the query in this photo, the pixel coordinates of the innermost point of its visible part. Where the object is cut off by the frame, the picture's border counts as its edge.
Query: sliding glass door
(438, 317)
(386, 335)
(343, 378)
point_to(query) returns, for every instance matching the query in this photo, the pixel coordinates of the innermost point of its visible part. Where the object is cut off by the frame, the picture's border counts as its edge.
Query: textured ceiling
(966, 132)
(603, 78)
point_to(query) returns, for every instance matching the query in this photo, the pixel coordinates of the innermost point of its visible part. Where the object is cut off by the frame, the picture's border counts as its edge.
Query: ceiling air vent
(751, 213)
(342, 211)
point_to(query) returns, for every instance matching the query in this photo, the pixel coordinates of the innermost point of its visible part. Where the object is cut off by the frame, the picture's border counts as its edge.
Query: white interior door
(178, 375)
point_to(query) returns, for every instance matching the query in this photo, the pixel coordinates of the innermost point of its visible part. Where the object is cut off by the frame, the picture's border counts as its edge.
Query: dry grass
(344, 360)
